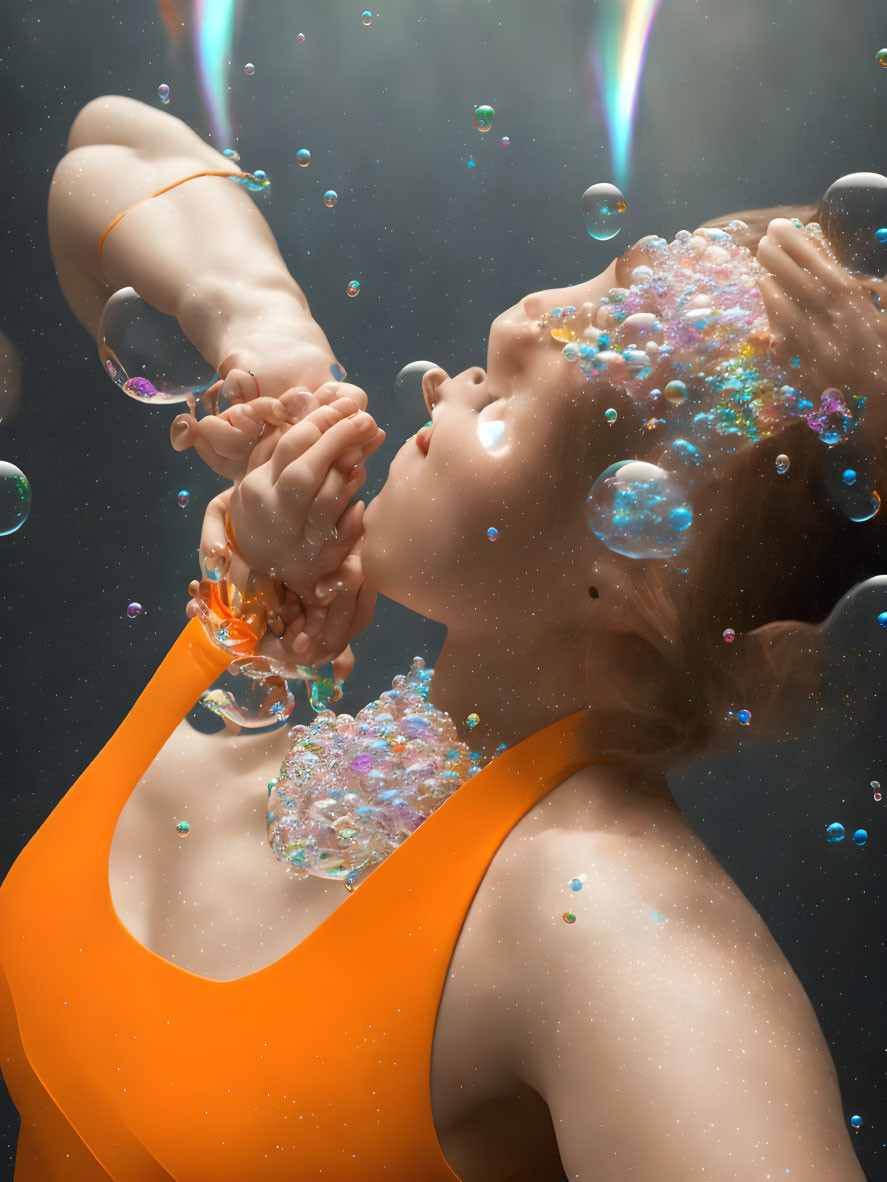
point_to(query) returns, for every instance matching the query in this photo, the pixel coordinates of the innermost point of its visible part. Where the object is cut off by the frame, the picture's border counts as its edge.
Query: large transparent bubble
(249, 701)
(853, 209)
(15, 498)
(639, 510)
(603, 211)
(147, 355)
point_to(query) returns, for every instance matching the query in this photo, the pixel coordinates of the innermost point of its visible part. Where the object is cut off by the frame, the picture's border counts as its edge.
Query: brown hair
(771, 556)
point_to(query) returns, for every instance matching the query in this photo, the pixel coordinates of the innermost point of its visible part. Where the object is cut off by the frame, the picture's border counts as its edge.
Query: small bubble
(303, 157)
(611, 416)
(676, 393)
(860, 837)
(15, 498)
(330, 198)
(856, 1121)
(506, 142)
(881, 56)
(183, 829)
(881, 234)
(603, 211)
(848, 476)
(834, 833)
(882, 619)
(366, 17)
(163, 92)
(575, 884)
(782, 464)
(183, 497)
(569, 917)
(483, 118)
(469, 163)
(471, 721)
(300, 36)
(743, 717)
(231, 154)
(492, 533)
(353, 287)
(249, 69)
(134, 609)
(729, 635)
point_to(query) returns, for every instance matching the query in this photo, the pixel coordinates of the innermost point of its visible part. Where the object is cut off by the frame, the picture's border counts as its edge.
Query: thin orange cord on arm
(159, 193)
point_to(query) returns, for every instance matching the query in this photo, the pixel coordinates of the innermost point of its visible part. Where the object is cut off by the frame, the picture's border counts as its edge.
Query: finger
(332, 497)
(795, 259)
(240, 386)
(343, 664)
(221, 445)
(298, 403)
(213, 536)
(303, 436)
(336, 632)
(210, 398)
(301, 479)
(329, 391)
(333, 554)
(782, 312)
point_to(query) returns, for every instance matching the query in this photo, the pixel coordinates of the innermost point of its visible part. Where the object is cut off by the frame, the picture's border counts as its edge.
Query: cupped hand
(822, 314)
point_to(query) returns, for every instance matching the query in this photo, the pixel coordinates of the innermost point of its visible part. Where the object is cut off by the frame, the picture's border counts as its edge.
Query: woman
(662, 1034)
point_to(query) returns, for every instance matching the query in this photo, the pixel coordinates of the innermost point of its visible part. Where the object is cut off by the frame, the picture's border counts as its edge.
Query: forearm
(202, 252)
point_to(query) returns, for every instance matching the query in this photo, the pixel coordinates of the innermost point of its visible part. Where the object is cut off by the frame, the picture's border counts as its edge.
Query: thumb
(343, 664)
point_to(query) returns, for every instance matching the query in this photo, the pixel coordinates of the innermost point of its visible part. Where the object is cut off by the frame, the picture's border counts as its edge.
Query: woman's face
(489, 460)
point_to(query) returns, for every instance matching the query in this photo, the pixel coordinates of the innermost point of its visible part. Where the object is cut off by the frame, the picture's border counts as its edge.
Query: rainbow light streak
(617, 60)
(213, 32)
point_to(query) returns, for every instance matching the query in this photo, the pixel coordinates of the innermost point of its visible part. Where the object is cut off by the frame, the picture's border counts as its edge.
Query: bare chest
(219, 904)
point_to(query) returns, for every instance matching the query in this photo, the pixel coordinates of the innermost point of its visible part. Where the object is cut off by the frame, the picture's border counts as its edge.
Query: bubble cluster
(603, 211)
(351, 789)
(15, 498)
(330, 198)
(637, 509)
(353, 287)
(303, 157)
(483, 118)
(163, 93)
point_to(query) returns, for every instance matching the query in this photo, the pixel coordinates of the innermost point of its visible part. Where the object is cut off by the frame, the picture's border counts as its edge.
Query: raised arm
(201, 252)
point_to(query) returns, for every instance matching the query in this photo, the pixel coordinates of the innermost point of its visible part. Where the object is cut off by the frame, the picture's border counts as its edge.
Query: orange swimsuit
(125, 1066)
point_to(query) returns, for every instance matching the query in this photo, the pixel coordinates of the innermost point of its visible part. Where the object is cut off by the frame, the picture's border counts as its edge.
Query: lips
(423, 438)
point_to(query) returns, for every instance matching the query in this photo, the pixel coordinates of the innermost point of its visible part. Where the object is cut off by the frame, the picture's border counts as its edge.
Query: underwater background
(739, 105)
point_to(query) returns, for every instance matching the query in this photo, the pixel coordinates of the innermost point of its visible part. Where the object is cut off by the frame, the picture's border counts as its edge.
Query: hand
(290, 515)
(823, 314)
(321, 624)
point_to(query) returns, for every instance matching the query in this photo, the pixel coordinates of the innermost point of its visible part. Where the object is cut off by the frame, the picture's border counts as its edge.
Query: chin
(389, 567)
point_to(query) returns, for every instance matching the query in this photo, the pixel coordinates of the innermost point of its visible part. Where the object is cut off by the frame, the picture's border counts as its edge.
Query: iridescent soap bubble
(232, 154)
(743, 717)
(856, 1121)
(834, 833)
(639, 510)
(833, 421)
(569, 917)
(183, 829)
(147, 355)
(300, 36)
(483, 118)
(250, 702)
(881, 56)
(163, 92)
(867, 511)
(875, 785)
(882, 619)
(134, 609)
(783, 463)
(881, 234)
(330, 198)
(680, 455)
(249, 69)
(860, 837)
(575, 884)
(183, 497)
(506, 142)
(303, 157)
(492, 533)
(366, 17)
(15, 498)
(603, 210)
(353, 287)
(471, 721)
(675, 393)
(729, 635)
(611, 415)
(850, 213)
(848, 476)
